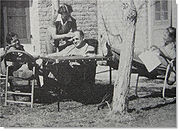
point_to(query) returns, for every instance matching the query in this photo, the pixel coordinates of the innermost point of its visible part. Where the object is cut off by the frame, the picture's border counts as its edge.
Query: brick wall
(45, 7)
(85, 13)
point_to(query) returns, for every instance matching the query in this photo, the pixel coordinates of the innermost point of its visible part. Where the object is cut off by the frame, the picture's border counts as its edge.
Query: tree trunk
(122, 83)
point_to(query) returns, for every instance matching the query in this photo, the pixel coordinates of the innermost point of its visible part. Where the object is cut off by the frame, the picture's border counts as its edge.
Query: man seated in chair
(79, 47)
(70, 74)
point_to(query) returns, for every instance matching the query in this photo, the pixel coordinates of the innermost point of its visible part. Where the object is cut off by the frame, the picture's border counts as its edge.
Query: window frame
(161, 21)
(27, 39)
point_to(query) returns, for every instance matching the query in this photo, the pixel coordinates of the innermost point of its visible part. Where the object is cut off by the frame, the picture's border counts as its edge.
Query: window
(161, 11)
(17, 19)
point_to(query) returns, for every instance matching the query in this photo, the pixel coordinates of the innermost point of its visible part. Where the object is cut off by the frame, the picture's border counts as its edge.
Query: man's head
(78, 38)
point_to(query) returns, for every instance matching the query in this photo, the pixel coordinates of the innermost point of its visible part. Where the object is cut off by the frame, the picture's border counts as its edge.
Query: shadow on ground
(85, 94)
(93, 94)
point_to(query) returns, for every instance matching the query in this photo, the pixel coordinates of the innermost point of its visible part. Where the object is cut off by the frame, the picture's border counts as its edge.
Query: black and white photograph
(88, 64)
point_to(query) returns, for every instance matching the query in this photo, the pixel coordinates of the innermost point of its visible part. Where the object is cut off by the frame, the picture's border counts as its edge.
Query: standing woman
(60, 30)
(59, 34)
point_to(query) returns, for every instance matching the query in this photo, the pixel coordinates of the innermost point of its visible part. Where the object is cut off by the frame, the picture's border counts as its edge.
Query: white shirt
(72, 50)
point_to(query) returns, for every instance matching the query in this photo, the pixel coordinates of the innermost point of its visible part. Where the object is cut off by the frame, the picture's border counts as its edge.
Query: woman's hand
(70, 35)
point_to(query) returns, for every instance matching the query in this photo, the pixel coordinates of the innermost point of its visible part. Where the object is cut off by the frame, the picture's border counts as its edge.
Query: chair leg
(11, 88)
(38, 81)
(165, 80)
(32, 93)
(6, 87)
(110, 75)
(59, 91)
(32, 88)
(137, 81)
(58, 105)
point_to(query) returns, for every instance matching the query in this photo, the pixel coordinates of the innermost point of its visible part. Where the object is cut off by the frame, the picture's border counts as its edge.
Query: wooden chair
(2, 84)
(17, 58)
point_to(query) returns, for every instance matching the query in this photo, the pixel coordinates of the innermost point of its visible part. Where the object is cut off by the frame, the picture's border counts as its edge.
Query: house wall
(141, 40)
(152, 32)
(45, 13)
(1, 30)
(86, 14)
(142, 34)
(87, 17)
(174, 12)
(157, 29)
(34, 47)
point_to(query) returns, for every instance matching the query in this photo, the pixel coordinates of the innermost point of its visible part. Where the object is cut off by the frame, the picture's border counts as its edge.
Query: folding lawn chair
(139, 68)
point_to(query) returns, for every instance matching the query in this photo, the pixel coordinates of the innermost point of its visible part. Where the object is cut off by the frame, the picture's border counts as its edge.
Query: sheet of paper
(150, 60)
